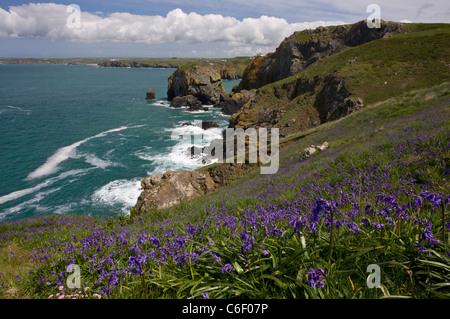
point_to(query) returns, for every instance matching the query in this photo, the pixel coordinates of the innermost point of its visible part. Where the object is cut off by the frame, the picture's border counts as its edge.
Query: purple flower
(428, 236)
(315, 277)
(216, 258)
(205, 296)
(378, 225)
(353, 227)
(265, 252)
(227, 268)
(433, 199)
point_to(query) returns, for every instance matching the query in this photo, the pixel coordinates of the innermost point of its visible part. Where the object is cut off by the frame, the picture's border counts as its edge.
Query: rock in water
(209, 124)
(187, 100)
(200, 81)
(150, 95)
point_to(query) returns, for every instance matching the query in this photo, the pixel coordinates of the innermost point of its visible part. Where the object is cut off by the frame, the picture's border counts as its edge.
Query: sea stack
(150, 94)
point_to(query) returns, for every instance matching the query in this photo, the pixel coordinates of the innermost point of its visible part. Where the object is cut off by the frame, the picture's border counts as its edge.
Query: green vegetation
(379, 195)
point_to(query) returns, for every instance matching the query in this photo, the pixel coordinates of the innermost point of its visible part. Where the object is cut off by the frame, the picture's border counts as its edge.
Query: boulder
(173, 187)
(307, 152)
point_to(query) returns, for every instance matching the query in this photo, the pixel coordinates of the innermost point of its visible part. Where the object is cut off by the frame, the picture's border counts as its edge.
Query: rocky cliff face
(303, 48)
(201, 81)
(308, 102)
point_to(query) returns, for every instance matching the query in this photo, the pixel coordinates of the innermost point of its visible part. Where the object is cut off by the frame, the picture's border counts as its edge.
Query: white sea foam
(98, 162)
(123, 192)
(179, 157)
(18, 108)
(46, 183)
(162, 103)
(52, 164)
(30, 203)
(11, 107)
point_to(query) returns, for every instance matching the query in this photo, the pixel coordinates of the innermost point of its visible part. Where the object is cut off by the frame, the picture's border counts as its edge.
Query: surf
(51, 165)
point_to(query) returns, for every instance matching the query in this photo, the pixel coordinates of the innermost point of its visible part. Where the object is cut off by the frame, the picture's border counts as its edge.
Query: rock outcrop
(304, 48)
(236, 101)
(326, 98)
(173, 187)
(201, 81)
(187, 100)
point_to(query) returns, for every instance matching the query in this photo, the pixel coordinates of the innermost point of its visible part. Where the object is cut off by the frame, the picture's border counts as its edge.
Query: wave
(164, 103)
(46, 183)
(179, 157)
(120, 192)
(11, 107)
(52, 163)
(32, 203)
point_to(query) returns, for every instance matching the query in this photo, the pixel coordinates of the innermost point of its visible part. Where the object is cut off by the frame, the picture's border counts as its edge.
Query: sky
(182, 28)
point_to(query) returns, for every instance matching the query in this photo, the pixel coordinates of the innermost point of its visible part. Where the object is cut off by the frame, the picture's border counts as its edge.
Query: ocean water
(78, 139)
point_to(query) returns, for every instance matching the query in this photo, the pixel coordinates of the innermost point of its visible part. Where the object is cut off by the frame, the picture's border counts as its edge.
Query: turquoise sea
(78, 139)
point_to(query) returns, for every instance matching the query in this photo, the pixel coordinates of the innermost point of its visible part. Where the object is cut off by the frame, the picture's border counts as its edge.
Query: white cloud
(49, 21)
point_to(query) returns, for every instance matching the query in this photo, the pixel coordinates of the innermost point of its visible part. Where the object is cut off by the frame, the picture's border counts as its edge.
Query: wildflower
(433, 199)
(428, 236)
(353, 227)
(315, 277)
(216, 258)
(227, 268)
(205, 296)
(265, 252)
(365, 221)
(378, 225)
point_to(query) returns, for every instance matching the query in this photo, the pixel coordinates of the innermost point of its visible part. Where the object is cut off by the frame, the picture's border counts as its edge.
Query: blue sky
(149, 28)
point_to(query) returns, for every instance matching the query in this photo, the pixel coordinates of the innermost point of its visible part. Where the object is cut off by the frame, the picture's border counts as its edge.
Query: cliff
(304, 48)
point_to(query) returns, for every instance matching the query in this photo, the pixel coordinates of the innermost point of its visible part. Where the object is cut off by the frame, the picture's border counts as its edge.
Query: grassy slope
(416, 123)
